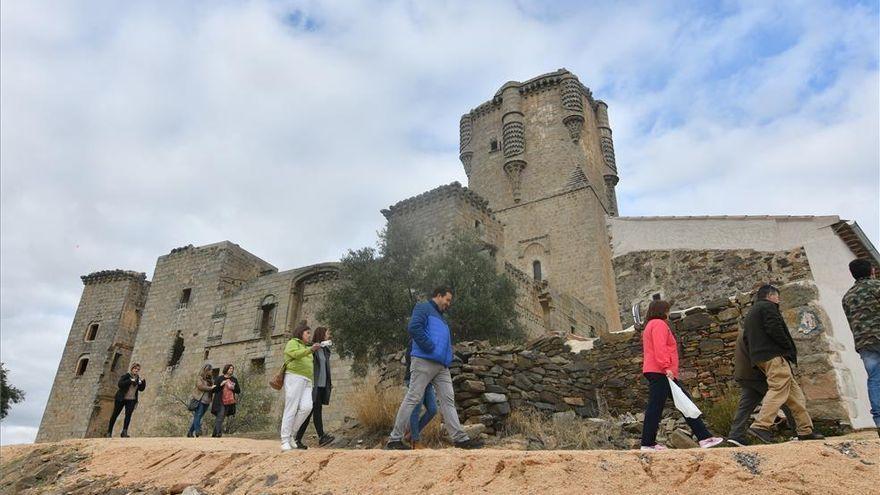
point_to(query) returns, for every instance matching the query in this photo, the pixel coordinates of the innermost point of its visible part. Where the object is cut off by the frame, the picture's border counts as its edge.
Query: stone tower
(97, 352)
(540, 152)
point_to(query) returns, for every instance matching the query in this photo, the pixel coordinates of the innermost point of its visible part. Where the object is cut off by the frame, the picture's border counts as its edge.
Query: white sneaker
(710, 442)
(655, 448)
(285, 446)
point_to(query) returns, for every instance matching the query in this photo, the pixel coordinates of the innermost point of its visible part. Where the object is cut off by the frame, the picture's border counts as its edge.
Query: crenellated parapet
(453, 190)
(106, 276)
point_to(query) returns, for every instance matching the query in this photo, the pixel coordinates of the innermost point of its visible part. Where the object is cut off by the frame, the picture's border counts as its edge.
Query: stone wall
(689, 278)
(545, 375)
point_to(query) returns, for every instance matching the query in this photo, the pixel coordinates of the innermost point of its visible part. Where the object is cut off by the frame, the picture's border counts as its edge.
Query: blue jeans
(416, 423)
(196, 426)
(872, 366)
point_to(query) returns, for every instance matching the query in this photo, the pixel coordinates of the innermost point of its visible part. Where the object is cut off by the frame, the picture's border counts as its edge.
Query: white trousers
(297, 404)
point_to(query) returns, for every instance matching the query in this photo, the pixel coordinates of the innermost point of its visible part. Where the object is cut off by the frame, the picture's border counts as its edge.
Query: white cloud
(129, 128)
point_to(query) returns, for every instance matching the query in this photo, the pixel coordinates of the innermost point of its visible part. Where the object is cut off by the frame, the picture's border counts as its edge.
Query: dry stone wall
(491, 381)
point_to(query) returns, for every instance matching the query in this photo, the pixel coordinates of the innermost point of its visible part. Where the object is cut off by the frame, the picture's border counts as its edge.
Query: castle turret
(98, 351)
(540, 152)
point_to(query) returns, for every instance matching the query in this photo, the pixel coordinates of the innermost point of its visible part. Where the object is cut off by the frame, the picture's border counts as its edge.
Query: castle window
(207, 352)
(536, 270)
(115, 365)
(176, 350)
(267, 315)
(81, 365)
(258, 365)
(92, 332)
(184, 298)
(493, 145)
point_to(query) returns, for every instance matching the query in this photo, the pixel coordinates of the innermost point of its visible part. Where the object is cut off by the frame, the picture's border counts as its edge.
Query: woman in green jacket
(297, 385)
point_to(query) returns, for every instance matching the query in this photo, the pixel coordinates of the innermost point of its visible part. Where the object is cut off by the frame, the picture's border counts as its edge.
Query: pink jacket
(660, 351)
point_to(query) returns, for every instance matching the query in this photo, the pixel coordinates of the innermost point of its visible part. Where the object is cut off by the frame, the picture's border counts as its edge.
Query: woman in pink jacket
(660, 363)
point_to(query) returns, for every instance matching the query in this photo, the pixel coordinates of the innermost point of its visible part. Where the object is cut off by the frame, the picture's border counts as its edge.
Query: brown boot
(418, 445)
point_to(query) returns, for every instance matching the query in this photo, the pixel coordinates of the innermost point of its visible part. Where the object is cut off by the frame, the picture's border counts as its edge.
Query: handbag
(228, 397)
(193, 404)
(682, 402)
(277, 381)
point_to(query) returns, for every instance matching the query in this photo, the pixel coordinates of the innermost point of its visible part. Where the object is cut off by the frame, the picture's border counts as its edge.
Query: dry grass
(574, 434)
(375, 407)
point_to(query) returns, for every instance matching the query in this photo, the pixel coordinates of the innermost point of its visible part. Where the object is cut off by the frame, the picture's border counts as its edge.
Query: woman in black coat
(323, 385)
(129, 384)
(226, 392)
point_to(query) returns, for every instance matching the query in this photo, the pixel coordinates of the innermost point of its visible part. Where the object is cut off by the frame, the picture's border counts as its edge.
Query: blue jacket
(430, 333)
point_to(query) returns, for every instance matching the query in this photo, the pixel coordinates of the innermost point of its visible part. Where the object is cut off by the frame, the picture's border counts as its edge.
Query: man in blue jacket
(431, 357)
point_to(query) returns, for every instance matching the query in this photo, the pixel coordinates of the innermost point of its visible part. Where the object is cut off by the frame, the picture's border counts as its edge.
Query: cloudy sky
(131, 128)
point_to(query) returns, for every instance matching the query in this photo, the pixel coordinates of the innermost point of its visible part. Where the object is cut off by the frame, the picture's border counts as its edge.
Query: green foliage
(253, 412)
(8, 394)
(371, 306)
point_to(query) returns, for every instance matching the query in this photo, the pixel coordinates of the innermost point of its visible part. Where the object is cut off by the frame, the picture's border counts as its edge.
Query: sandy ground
(843, 465)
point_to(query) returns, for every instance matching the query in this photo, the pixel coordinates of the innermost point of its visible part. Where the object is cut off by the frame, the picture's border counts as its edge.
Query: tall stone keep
(97, 352)
(540, 152)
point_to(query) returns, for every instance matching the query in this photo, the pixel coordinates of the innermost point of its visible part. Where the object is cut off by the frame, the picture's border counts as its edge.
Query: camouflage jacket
(861, 303)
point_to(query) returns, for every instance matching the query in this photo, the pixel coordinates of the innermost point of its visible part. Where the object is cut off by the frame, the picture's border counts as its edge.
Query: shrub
(718, 413)
(253, 412)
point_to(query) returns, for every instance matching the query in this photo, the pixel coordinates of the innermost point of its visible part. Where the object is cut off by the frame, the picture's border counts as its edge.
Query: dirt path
(234, 466)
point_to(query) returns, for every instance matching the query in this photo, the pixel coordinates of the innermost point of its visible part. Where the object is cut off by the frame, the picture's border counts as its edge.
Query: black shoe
(124, 434)
(301, 446)
(763, 436)
(812, 436)
(397, 445)
(189, 434)
(109, 434)
(471, 443)
(325, 440)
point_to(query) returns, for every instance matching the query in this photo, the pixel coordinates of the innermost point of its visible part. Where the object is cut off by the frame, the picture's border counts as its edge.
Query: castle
(539, 158)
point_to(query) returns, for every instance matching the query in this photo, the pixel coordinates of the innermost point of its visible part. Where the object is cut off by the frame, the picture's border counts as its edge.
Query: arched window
(536, 270)
(82, 364)
(92, 332)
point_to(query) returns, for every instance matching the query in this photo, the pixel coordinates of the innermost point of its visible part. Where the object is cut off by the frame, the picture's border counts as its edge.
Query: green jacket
(861, 303)
(298, 357)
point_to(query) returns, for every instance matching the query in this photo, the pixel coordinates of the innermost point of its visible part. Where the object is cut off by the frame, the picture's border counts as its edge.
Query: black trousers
(658, 393)
(118, 406)
(751, 394)
(218, 421)
(314, 415)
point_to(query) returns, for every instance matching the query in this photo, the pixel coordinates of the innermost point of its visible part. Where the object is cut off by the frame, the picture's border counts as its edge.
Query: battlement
(454, 189)
(106, 276)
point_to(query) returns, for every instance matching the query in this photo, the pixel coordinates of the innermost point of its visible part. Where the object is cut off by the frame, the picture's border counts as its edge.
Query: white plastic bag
(682, 402)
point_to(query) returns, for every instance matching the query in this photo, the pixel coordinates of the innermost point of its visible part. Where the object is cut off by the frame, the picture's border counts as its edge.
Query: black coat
(323, 393)
(124, 382)
(766, 335)
(217, 403)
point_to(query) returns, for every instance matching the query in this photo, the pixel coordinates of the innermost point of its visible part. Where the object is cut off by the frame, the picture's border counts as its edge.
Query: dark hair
(226, 368)
(133, 365)
(300, 330)
(441, 291)
(765, 291)
(860, 268)
(657, 310)
(320, 334)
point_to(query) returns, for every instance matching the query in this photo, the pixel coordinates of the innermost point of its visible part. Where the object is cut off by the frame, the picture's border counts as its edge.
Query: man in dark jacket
(753, 386)
(431, 357)
(772, 351)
